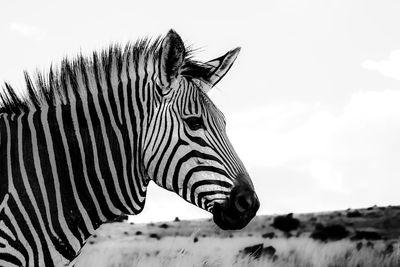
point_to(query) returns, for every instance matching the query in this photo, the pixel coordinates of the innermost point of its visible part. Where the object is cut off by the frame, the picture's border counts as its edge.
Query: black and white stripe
(82, 147)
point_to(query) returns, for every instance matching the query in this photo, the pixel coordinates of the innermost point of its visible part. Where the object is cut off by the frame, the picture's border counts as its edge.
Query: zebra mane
(48, 88)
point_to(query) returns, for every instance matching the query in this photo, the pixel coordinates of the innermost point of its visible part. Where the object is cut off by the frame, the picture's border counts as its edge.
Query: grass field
(201, 243)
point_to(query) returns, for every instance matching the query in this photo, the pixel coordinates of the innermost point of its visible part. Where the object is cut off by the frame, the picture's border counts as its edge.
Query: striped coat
(83, 145)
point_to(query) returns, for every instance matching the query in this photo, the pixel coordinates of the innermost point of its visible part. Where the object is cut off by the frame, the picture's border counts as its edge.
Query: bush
(269, 235)
(164, 225)
(286, 223)
(331, 232)
(367, 235)
(154, 235)
(354, 214)
(253, 251)
(257, 251)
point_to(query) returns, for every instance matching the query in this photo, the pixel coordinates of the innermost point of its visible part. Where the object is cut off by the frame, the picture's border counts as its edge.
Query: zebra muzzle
(236, 212)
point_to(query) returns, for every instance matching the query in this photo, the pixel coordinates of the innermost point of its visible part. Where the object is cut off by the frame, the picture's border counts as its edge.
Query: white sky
(312, 102)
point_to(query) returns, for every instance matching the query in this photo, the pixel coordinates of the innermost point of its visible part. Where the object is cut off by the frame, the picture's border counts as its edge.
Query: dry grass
(119, 244)
(212, 252)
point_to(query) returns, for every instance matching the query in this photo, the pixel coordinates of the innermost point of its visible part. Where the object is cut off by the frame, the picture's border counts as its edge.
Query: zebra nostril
(238, 210)
(244, 202)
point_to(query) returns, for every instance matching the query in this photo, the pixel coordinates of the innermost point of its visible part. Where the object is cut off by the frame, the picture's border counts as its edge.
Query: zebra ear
(220, 66)
(172, 55)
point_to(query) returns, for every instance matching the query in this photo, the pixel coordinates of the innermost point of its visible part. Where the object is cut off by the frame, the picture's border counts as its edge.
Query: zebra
(80, 148)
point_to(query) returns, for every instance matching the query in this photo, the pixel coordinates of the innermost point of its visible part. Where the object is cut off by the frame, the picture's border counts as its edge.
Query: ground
(363, 237)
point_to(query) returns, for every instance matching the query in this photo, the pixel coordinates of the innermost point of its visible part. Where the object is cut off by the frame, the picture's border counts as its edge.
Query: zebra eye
(194, 123)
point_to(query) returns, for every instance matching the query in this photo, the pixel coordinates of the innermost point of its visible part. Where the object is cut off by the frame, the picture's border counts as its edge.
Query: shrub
(367, 235)
(164, 225)
(330, 232)
(286, 223)
(269, 235)
(154, 235)
(354, 214)
(253, 251)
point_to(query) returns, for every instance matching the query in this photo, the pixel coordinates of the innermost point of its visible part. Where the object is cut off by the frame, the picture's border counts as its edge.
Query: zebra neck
(70, 170)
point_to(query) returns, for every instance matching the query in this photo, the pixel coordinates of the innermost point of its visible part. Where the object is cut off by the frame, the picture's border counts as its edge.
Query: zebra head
(187, 150)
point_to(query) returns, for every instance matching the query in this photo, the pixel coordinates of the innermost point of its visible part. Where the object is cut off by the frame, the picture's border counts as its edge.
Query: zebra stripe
(83, 147)
(88, 119)
(88, 227)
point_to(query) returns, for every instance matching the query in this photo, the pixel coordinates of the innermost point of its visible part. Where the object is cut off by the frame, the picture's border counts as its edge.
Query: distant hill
(385, 221)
